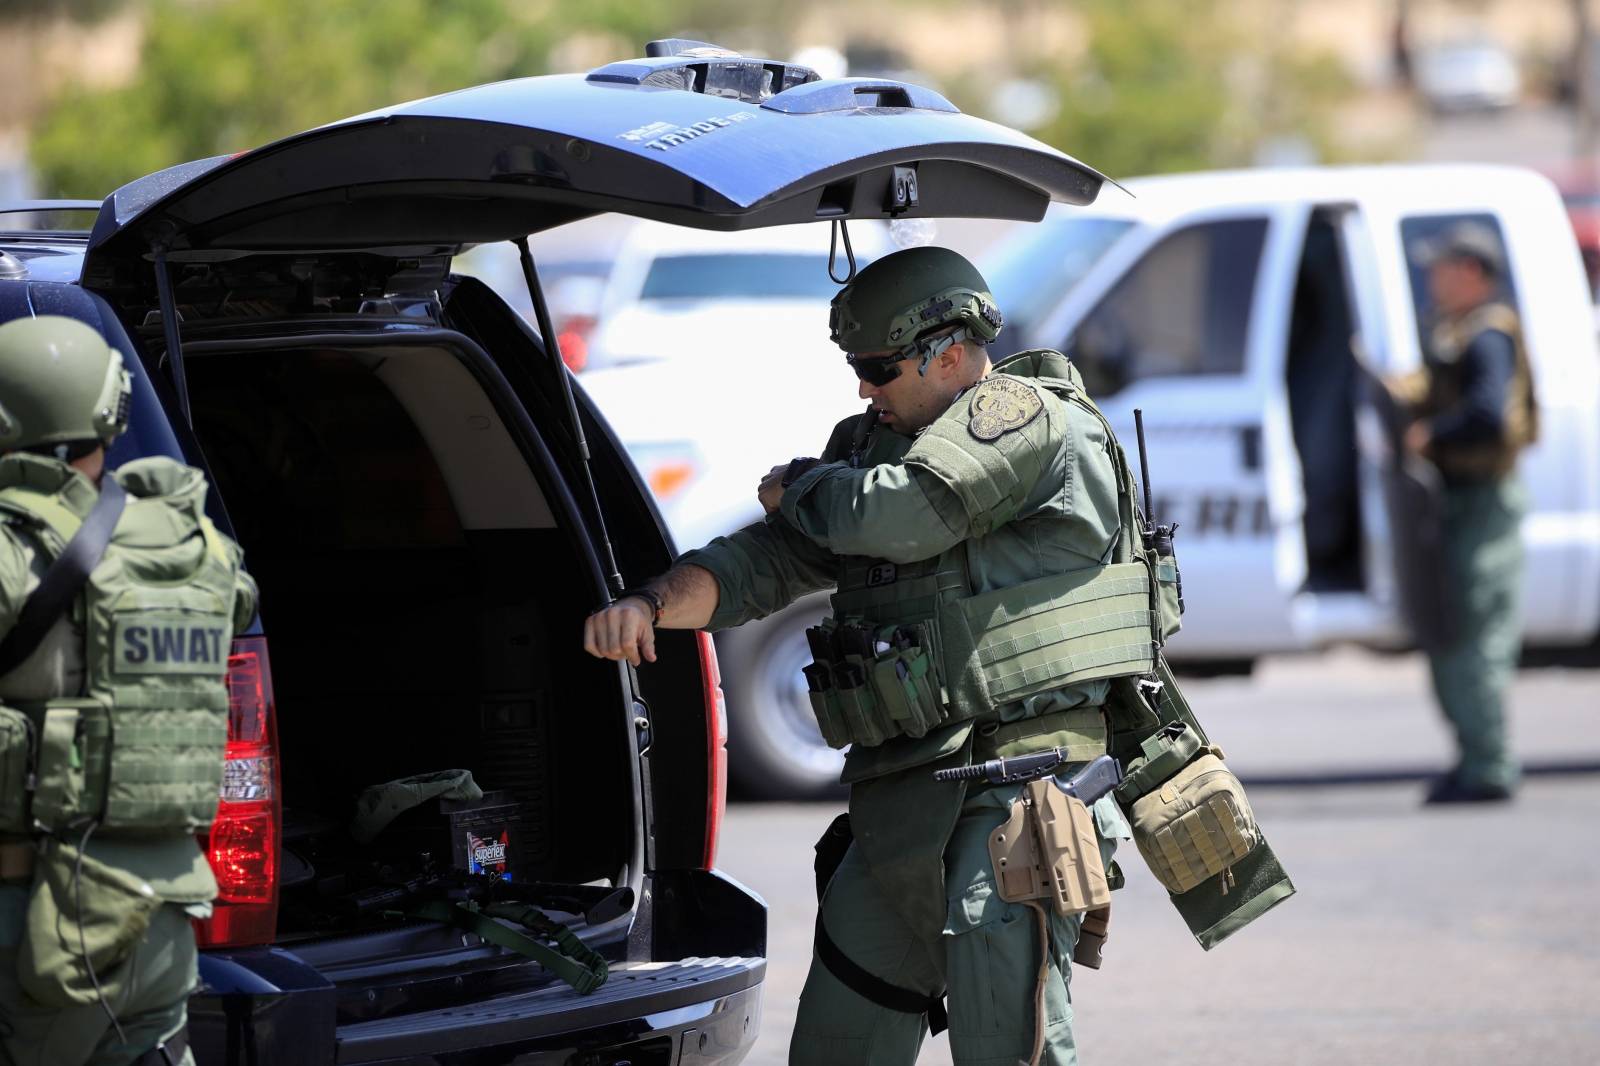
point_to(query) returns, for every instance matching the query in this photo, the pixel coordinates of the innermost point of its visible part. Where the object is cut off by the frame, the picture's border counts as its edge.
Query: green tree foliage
(220, 76)
(1161, 88)
(224, 77)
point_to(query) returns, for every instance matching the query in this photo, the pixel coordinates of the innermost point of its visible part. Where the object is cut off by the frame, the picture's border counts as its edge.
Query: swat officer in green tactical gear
(992, 598)
(118, 602)
(1473, 402)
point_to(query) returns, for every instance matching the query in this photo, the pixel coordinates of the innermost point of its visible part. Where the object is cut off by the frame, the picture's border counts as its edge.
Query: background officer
(1475, 412)
(958, 483)
(98, 884)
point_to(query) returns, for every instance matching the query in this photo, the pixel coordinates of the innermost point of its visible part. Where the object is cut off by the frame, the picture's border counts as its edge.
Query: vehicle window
(1184, 309)
(1419, 234)
(1031, 273)
(742, 276)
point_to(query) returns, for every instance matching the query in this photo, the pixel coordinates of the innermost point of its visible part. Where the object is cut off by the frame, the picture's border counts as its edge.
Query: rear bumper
(697, 1011)
(645, 1013)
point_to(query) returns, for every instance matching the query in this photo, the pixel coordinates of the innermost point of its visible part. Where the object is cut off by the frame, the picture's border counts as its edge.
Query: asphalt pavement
(1449, 936)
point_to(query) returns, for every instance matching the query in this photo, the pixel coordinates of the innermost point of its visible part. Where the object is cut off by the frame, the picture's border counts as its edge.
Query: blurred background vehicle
(1475, 74)
(1579, 183)
(675, 293)
(1246, 313)
(690, 320)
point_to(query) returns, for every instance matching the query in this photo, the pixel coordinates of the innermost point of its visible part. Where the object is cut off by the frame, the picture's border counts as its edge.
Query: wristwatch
(650, 596)
(797, 467)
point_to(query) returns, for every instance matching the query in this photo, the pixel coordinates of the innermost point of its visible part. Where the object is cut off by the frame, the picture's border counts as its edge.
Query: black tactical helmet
(906, 295)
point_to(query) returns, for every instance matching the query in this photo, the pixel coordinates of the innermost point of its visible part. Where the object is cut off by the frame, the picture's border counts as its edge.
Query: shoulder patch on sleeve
(1001, 405)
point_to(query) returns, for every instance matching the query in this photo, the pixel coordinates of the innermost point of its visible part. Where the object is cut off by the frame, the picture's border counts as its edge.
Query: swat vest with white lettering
(995, 655)
(139, 749)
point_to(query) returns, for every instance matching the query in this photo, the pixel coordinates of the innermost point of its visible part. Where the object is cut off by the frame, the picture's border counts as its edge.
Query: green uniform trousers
(150, 1008)
(987, 956)
(1483, 555)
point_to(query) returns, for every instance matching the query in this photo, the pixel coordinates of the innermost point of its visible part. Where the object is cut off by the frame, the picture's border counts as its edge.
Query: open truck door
(1184, 322)
(1373, 525)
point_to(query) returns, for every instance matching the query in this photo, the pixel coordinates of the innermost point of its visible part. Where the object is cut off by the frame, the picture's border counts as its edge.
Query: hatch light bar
(705, 68)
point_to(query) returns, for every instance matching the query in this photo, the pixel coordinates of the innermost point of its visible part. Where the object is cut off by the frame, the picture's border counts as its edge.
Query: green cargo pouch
(1164, 754)
(1195, 826)
(902, 681)
(830, 717)
(864, 715)
(821, 688)
(84, 920)
(16, 770)
(58, 797)
(1168, 595)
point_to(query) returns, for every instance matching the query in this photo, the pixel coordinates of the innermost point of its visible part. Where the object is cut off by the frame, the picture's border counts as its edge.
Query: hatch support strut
(169, 328)
(553, 350)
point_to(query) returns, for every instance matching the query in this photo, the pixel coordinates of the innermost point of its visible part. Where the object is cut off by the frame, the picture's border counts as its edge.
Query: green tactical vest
(1521, 413)
(999, 656)
(140, 749)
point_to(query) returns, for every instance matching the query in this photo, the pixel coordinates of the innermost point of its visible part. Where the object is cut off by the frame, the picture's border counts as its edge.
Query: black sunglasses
(877, 372)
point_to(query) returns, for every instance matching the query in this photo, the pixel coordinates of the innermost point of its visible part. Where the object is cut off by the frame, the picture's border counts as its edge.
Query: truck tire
(775, 751)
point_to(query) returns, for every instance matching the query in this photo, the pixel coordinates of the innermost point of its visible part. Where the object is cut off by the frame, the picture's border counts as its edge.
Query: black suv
(431, 509)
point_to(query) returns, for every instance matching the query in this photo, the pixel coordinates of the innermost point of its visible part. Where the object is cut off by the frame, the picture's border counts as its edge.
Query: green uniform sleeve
(952, 485)
(767, 565)
(894, 512)
(761, 569)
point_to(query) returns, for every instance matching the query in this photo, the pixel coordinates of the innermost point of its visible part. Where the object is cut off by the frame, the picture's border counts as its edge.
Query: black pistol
(1088, 784)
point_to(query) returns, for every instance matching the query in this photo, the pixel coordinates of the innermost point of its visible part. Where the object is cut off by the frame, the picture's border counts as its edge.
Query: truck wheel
(775, 750)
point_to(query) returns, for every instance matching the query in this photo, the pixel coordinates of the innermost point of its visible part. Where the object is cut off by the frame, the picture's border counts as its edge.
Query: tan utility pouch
(81, 914)
(16, 769)
(1195, 825)
(1048, 849)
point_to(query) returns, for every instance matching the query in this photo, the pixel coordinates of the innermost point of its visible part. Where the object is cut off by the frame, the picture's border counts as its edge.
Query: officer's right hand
(622, 631)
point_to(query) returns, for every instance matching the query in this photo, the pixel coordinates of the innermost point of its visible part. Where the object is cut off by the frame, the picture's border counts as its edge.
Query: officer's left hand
(1417, 438)
(771, 491)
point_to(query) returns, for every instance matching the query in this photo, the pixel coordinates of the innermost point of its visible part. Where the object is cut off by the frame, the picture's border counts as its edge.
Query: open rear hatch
(505, 160)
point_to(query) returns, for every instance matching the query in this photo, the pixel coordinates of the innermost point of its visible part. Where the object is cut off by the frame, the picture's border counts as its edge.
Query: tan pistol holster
(1048, 849)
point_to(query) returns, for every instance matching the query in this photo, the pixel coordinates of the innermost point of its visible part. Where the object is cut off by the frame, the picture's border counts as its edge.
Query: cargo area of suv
(422, 605)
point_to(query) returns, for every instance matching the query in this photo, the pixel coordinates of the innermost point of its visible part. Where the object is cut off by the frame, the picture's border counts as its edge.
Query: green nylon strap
(1081, 730)
(575, 963)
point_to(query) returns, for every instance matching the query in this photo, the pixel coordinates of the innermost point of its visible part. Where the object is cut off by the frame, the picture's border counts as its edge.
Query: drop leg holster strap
(830, 853)
(167, 1053)
(875, 989)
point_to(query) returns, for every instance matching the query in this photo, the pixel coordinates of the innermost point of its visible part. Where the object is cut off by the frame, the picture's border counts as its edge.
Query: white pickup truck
(1245, 313)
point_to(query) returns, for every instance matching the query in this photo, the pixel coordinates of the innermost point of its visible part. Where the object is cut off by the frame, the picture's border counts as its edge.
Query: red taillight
(572, 337)
(716, 745)
(244, 839)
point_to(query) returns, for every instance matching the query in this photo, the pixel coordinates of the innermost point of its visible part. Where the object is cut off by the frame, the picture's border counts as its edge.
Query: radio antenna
(1144, 468)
